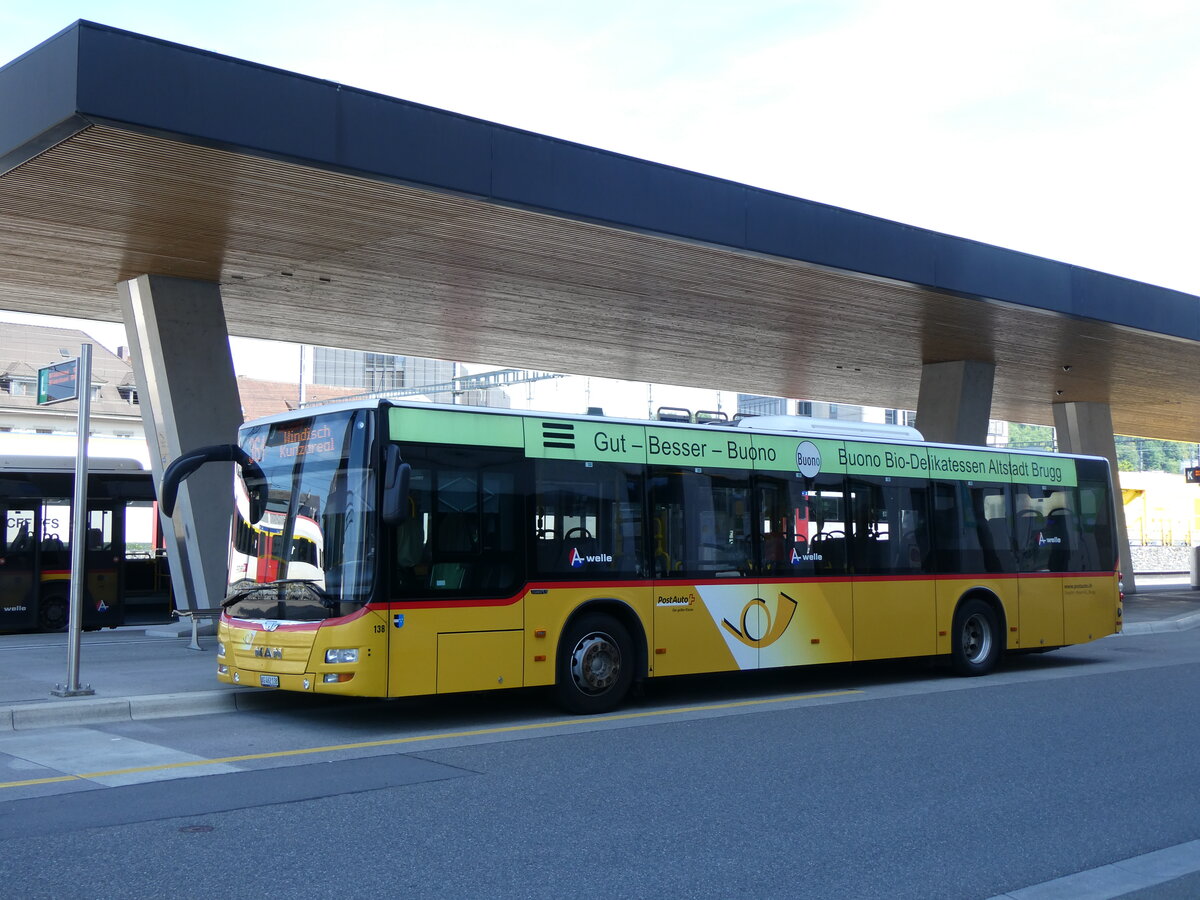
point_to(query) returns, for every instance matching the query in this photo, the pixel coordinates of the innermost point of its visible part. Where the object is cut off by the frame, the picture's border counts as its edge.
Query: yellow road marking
(445, 735)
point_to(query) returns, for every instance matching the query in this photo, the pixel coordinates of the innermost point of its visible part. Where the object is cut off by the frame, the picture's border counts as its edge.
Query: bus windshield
(312, 554)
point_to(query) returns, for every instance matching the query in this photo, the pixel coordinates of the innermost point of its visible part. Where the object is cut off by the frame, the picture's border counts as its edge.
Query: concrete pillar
(1087, 428)
(955, 401)
(189, 398)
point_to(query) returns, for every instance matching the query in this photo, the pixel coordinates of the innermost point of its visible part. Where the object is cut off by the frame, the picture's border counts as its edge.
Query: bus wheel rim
(976, 638)
(595, 663)
(54, 613)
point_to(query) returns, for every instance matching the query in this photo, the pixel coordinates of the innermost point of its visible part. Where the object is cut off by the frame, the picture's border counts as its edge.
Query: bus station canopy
(340, 217)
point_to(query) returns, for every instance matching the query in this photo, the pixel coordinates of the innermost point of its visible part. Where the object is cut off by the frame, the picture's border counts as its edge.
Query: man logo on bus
(758, 629)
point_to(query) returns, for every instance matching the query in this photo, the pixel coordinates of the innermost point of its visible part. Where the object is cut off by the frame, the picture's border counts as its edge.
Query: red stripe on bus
(256, 624)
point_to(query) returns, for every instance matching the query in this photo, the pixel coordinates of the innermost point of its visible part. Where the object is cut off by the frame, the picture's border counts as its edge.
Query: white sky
(1064, 128)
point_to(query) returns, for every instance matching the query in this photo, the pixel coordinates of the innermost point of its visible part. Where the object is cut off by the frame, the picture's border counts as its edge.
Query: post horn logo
(758, 628)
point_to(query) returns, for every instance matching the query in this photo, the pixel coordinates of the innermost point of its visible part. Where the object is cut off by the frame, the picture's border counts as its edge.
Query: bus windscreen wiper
(280, 587)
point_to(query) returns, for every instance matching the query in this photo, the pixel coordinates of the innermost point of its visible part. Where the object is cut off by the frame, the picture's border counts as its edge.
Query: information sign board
(58, 382)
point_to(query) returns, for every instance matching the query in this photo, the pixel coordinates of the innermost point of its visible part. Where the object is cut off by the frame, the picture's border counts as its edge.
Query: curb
(101, 710)
(1180, 623)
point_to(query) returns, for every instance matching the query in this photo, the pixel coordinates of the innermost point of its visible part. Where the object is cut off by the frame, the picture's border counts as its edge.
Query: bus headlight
(349, 655)
(220, 648)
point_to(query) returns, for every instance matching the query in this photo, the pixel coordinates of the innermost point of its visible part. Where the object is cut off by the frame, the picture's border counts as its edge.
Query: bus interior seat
(870, 554)
(550, 555)
(1032, 553)
(447, 576)
(1000, 556)
(971, 553)
(1060, 530)
(910, 554)
(832, 551)
(456, 533)
(410, 542)
(1028, 525)
(494, 577)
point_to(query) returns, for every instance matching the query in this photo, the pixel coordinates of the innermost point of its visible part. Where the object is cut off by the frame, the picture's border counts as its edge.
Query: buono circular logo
(808, 459)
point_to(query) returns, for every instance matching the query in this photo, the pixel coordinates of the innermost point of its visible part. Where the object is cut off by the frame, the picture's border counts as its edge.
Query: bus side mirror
(397, 474)
(185, 465)
(256, 488)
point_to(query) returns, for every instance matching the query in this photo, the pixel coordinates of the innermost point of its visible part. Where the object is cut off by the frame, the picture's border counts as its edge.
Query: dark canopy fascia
(92, 74)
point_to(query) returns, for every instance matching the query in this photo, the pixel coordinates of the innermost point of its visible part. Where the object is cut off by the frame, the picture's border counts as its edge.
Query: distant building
(26, 348)
(115, 416)
(378, 371)
(266, 398)
(756, 405)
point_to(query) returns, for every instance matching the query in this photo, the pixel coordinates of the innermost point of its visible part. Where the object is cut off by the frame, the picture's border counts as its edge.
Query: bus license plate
(269, 680)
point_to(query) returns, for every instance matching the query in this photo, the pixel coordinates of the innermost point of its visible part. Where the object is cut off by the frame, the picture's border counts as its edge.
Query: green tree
(1134, 454)
(1146, 455)
(1030, 437)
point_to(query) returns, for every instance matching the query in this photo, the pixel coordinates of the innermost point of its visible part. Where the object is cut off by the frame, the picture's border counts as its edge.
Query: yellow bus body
(429, 647)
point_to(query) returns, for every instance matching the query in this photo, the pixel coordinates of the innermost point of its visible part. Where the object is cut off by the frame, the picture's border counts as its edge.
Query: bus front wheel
(595, 665)
(52, 612)
(976, 641)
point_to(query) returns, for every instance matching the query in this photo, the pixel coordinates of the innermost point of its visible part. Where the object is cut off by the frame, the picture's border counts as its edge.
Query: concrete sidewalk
(136, 676)
(133, 676)
(1162, 603)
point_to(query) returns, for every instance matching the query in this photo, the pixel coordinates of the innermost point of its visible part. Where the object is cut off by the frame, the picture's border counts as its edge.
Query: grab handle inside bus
(185, 465)
(395, 487)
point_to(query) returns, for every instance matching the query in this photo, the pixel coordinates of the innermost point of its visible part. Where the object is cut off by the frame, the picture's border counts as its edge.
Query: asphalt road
(893, 781)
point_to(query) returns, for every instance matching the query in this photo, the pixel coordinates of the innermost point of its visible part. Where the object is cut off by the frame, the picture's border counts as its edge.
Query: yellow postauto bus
(419, 549)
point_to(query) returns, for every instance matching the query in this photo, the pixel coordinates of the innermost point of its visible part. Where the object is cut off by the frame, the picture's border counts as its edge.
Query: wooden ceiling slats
(323, 257)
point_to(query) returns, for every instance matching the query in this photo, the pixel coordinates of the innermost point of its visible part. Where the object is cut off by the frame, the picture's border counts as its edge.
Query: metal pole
(79, 530)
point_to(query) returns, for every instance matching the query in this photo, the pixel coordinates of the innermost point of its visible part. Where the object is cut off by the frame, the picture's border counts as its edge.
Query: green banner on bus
(448, 426)
(953, 464)
(606, 440)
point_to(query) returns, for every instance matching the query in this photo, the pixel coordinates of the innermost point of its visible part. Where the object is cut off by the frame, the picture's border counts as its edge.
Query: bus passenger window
(702, 521)
(588, 520)
(889, 526)
(462, 533)
(971, 528)
(1033, 551)
(799, 525)
(827, 525)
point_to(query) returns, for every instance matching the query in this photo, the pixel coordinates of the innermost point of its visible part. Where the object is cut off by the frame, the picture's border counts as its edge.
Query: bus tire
(52, 611)
(975, 640)
(595, 665)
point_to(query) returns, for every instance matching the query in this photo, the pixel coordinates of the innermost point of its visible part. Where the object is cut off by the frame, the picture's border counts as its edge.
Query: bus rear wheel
(595, 665)
(52, 612)
(976, 641)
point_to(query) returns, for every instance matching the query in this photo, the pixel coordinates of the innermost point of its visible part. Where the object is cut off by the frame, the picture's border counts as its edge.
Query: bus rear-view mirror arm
(185, 465)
